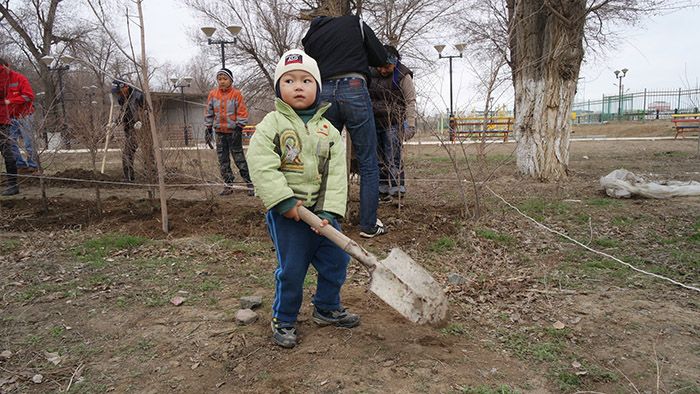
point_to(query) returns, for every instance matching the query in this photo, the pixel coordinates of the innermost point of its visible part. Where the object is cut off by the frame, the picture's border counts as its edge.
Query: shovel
(397, 280)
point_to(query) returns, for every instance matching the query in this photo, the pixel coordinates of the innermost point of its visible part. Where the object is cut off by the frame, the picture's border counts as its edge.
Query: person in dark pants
(394, 102)
(11, 186)
(226, 114)
(131, 100)
(345, 47)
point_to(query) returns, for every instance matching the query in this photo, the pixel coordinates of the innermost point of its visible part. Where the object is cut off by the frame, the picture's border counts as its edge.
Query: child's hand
(294, 213)
(324, 222)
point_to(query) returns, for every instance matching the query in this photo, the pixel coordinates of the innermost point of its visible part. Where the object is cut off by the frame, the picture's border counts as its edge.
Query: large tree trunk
(546, 41)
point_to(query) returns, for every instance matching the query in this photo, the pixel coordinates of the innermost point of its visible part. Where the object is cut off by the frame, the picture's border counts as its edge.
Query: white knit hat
(296, 59)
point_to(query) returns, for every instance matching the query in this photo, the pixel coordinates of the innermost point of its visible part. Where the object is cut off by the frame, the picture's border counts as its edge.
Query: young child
(297, 157)
(226, 114)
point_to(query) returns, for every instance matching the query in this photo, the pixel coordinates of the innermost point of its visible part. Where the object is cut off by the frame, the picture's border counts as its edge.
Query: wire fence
(645, 105)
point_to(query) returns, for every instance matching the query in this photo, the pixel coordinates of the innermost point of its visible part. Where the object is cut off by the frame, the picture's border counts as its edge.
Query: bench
(475, 127)
(248, 133)
(685, 122)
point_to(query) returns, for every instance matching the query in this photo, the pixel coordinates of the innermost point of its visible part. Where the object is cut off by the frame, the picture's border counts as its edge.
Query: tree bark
(546, 43)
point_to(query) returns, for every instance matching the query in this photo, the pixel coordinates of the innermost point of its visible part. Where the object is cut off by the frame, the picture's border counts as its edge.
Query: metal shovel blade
(397, 280)
(408, 288)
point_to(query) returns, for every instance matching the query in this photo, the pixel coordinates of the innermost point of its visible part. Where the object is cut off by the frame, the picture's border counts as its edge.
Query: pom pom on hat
(297, 60)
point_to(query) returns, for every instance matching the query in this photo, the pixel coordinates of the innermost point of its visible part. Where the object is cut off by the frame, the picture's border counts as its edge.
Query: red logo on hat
(293, 58)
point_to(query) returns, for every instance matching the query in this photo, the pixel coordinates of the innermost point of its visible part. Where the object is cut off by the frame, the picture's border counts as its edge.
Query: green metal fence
(649, 104)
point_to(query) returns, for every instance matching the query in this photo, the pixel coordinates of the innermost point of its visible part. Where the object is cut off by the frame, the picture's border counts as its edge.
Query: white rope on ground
(591, 249)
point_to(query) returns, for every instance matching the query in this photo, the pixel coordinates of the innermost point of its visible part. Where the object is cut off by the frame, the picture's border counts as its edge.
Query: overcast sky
(660, 53)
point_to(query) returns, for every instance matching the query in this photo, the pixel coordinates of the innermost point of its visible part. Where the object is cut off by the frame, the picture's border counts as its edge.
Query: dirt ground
(86, 297)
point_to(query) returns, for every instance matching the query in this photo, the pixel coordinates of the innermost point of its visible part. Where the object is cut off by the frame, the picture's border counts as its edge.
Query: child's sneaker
(338, 318)
(378, 230)
(283, 334)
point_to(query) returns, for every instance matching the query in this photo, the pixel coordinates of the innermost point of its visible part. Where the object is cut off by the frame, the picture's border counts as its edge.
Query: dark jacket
(337, 45)
(132, 107)
(388, 100)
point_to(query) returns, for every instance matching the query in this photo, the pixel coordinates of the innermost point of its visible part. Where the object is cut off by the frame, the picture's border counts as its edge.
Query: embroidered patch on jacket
(293, 58)
(290, 145)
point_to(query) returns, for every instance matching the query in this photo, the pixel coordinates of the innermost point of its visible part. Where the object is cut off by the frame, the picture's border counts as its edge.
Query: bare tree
(270, 28)
(545, 43)
(36, 27)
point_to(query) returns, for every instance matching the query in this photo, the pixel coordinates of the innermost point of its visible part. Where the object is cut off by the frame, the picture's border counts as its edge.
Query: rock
(177, 301)
(456, 279)
(251, 302)
(245, 317)
(6, 354)
(38, 378)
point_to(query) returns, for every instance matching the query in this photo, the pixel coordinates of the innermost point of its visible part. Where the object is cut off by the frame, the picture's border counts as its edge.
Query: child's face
(298, 89)
(224, 81)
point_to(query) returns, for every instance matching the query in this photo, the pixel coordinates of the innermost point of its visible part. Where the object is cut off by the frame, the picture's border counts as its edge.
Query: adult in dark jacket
(394, 104)
(11, 186)
(131, 101)
(344, 48)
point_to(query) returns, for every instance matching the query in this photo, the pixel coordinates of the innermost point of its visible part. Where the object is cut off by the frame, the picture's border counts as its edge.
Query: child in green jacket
(296, 157)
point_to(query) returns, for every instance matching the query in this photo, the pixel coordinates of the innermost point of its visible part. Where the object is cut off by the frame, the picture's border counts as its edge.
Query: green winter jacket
(287, 158)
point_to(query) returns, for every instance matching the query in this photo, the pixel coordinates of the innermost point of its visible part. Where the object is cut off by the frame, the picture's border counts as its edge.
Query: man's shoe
(11, 190)
(227, 191)
(283, 334)
(378, 230)
(338, 318)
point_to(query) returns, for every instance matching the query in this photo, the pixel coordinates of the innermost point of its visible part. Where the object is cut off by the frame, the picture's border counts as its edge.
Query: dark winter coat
(132, 107)
(339, 46)
(388, 99)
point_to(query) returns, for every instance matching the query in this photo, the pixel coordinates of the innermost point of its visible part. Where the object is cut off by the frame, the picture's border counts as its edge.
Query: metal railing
(645, 105)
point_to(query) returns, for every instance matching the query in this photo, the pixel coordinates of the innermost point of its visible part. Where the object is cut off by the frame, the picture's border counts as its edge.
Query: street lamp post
(209, 32)
(619, 74)
(460, 49)
(60, 64)
(183, 83)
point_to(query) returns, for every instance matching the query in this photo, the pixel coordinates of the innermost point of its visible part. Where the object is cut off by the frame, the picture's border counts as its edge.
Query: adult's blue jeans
(391, 175)
(22, 128)
(351, 107)
(297, 246)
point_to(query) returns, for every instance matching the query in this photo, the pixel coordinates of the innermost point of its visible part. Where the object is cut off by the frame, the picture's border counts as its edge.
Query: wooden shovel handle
(338, 238)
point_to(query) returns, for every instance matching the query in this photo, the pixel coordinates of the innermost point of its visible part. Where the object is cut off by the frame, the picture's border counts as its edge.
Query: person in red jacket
(11, 187)
(226, 114)
(21, 97)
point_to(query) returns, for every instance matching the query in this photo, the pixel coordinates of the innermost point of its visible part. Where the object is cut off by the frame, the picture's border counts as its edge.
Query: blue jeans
(351, 107)
(391, 175)
(297, 246)
(23, 128)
